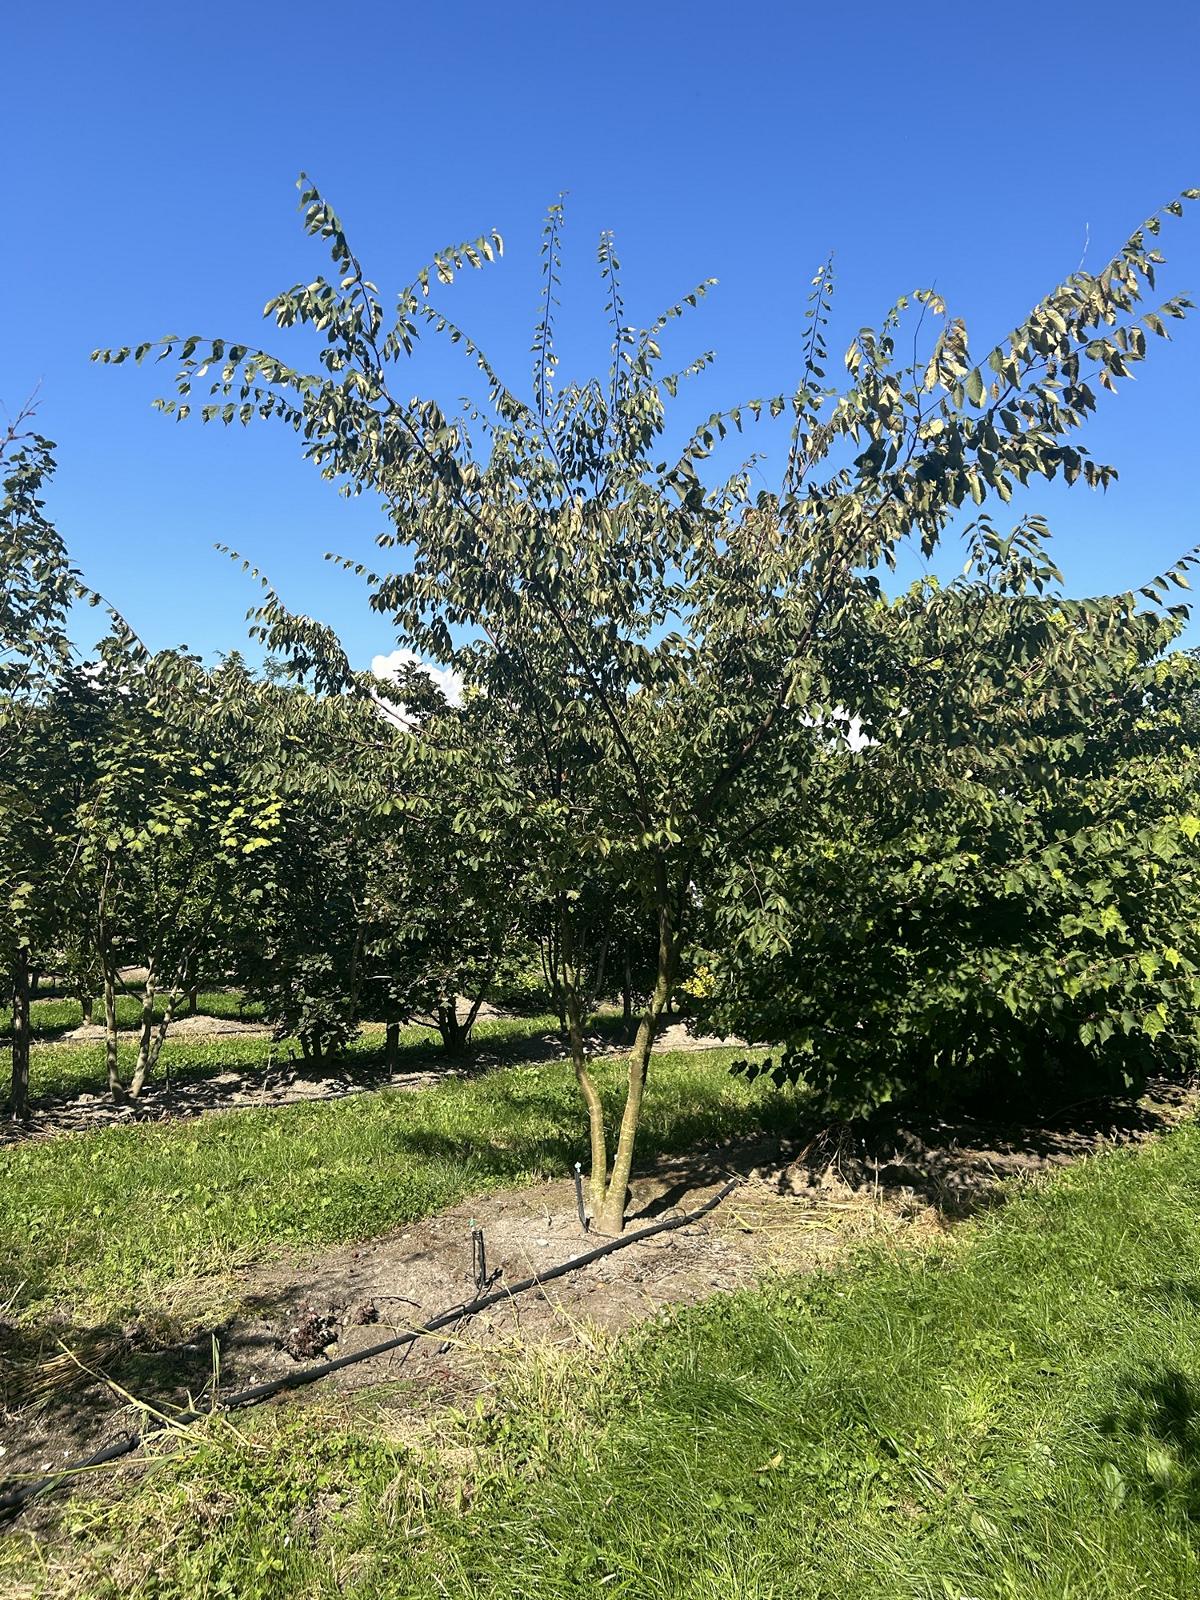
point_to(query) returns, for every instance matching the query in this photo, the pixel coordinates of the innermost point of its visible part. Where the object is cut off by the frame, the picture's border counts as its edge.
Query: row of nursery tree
(923, 842)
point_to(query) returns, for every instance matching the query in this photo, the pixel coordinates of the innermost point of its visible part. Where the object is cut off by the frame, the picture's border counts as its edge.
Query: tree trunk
(552, 968)
(86, 1005)
(452, 1032)
(627, 995)
(146, 1037)
(609, 1217)
(151, 1047)
(597, 989)
(391, 1047)
(597, 1136)
(355, 982)
(591, 1099)
(110, 1033)
(21, 1030)
(193, 999)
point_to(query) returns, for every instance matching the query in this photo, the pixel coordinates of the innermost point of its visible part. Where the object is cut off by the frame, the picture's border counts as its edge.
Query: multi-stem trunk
(455, 1030)
(153, 1036)
(21, 1032)
(609, 1191)
(449, 1027)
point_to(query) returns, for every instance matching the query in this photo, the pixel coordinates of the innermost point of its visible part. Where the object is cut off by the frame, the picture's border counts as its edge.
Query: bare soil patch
(795, 1210)
(198, 1026)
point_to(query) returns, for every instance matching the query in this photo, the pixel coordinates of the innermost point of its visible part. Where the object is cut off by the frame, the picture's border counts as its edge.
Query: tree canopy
(661, 656)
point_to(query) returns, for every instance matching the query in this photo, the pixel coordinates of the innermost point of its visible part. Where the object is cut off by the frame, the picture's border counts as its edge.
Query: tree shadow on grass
(959, 1166)
(192, 1088)
(1157, 1432)
(67, 1390)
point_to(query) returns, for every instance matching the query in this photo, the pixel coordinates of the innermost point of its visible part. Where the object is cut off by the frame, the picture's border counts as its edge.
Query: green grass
(52, 1017)
(110, 1220)
(61, 1071)
(1013, 1415)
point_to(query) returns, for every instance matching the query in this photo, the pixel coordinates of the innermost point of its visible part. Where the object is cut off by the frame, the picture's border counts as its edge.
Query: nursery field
(114, 1220)
(1010, 1407)
(662, 1061)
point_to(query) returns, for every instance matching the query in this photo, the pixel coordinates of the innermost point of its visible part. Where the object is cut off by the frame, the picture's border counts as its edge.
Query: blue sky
(151, 154)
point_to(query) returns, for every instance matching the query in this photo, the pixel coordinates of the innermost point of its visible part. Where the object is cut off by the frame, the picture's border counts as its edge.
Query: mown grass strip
(1013, 1415)
(61, 1071)
(59, 1014)
(112, 1218)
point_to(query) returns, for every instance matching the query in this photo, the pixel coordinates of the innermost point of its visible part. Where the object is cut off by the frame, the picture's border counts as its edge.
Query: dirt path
(198, 1026)
(795, 1209)
(291, 1081)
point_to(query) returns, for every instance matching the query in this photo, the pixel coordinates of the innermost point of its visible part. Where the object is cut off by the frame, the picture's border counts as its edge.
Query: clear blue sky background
(151, 153)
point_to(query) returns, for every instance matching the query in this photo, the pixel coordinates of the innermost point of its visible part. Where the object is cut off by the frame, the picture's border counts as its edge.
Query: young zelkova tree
(376, 908)
(307, 963)
(997, 894)
(658, 649)
(171, 831)
(37, 586)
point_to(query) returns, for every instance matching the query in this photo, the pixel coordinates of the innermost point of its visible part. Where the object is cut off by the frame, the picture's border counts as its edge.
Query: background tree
(306, 962)
(37, 586)
(997, 893)
(449, 880)
(169, 830)
(658, 650)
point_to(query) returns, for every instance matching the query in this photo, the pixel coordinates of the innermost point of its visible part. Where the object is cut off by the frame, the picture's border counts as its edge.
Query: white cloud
(388, 668)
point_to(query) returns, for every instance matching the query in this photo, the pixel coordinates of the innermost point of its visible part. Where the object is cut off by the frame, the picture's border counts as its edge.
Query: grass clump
(1012, 1415)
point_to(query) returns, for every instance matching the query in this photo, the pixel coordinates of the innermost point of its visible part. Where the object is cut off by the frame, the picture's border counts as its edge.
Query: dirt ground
(192, 1027)
(793, 1210)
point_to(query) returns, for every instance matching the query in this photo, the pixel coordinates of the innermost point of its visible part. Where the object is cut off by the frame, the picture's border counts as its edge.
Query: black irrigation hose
(14, 1499)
